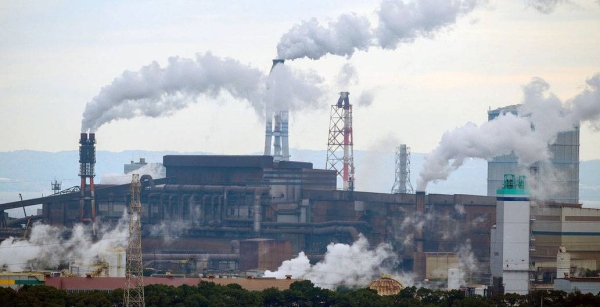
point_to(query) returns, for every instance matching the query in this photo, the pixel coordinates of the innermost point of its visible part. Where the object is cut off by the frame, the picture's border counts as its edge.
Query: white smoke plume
(346, 77)
(156, 91)
(292, 90)
(170, 231)
(366, 98)
(398, 22)
(155, 170)
(353, 265)
(311, 39)
(509, 133)
(47, 247)
(467, 263)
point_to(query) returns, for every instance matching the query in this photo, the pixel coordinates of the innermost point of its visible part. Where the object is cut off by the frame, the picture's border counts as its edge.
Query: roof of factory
(111, 283)
(233, 161)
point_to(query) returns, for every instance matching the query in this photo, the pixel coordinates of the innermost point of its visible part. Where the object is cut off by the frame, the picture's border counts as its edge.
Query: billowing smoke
(366, 98)
(545, 6)
(290, 90)
(346, 77)
(155, 170)
(48, 248)
(156, 91)
(509, 133)
(353, 265)
(398, 22)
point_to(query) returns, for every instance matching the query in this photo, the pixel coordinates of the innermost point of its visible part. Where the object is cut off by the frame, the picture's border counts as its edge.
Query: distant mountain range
(30, 172)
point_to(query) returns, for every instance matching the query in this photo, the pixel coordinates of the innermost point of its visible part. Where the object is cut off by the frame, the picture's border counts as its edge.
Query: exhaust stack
(276, 136)
(87, 162)
(340, 143)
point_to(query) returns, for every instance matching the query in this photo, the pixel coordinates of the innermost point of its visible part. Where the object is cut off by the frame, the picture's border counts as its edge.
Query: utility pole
(134, 279)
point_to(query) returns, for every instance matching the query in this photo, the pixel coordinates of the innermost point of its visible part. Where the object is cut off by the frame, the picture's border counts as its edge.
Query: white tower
(511, 237)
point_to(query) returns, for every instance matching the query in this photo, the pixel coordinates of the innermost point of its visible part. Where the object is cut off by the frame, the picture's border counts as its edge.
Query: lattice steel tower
(340, 151)
(402, 181)
(134, 279)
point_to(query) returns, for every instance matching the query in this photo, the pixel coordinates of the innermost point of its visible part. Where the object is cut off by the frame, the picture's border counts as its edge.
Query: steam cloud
(353, 265)
(398, 22)
(509, 133)
(157, 91)
(155, 170)
(47, 248)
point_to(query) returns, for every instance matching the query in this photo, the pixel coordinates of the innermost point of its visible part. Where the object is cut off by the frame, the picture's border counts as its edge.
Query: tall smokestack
(268, 133)
(285, 144)
(341, 139)
(277, 127)
(277, 138)
(87, 162)
(419, 256)
(348, 142)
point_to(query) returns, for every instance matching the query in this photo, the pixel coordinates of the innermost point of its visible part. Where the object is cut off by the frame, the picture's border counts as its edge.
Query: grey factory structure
(228, 206)
(247, 212)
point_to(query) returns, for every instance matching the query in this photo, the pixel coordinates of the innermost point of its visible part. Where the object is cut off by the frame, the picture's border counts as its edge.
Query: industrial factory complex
(248, 213)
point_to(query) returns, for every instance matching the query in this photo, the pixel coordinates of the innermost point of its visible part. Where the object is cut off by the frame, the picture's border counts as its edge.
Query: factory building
(215, 206)
(226, 213)
(563, 187)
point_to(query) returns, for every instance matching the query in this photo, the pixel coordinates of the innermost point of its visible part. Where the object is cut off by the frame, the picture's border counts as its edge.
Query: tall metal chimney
(276, 130)
(285, 144)
(340, 152)
(87, 161)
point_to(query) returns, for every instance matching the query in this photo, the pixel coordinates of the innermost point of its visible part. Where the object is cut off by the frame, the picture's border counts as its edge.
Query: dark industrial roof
(230, 161)
(218, 161)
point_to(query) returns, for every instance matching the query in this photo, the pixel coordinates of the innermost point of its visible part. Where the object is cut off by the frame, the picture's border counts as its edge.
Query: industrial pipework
(87, 161)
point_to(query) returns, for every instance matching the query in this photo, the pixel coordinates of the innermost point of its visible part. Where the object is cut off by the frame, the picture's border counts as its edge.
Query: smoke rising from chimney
(156, 91)
(509, 133)
(398, 22)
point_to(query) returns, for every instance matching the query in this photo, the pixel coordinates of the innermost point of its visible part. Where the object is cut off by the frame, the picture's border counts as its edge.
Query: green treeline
(300, 294)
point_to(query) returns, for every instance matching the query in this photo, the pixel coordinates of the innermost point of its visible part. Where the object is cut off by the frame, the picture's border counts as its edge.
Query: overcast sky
(56, 56)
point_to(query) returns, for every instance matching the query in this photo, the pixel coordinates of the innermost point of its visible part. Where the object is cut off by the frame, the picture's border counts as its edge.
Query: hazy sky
(55, 56)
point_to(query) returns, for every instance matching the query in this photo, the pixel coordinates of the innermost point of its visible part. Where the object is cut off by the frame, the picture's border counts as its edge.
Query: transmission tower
(340, 152)
(134, 279)
(402, 181)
